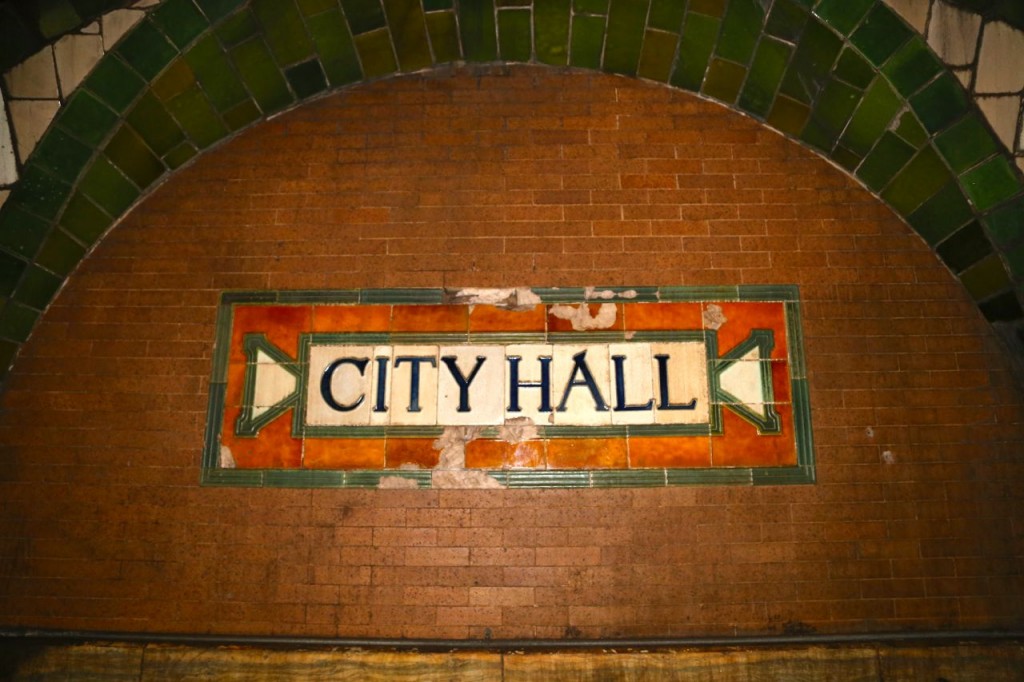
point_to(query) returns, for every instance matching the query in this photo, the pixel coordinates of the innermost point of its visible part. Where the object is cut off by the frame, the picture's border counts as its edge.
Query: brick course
(513, 177)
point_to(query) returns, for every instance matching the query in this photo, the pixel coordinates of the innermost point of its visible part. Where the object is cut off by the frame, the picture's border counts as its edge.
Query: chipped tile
(33, 78)
(30, 119)
(999, 64)
(953, 34)
(75, 56)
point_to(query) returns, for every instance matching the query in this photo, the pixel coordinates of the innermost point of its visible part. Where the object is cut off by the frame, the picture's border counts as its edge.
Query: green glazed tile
(872, 118)
(40, 192)
(786, 20)
(843, 15)
(723, 80)
(146, 49)
(86, 118)
(62, 155)
(376, 53)
(310, 8)
(283, 30)
(514, 36)
(991, 183)
(129, 153)
(880, 34)
(105, 185)
(657, 56)
(699, 33)
(1015, 259)
(437, 5)
(666, 15)
(788, 115)
(513, 3)
(741, 28)
(180, 20)
(911, 130)
(218, 9)
(587, 41)
(986, 278)
(197, 117)
(151, 121)
(911, 67)
(479, 34)
(885, 160)
(812, 62)
(114, 83)
(238, 28)
(444, 36)
(940, 103)
(551, 32)
(84, 220)
(941, 214)
(845, 158)
(214, 72)
(710, 8)
(8, 349)
(964, 247)
(60, 253)
(591, 7)
(173, 81)
(626, 20)
(1002, 308)
(241, 115)
(966, 143)
(37, 288)
(925, 175)
(18, 39)
(335, 47)
(854, 69)
(261, 75)
(57, 18)
(765, 75)
(409, 32)
(17, 321)
(830, 115)
(306, 79)
(364, 15)
(1006, 223)
(11, 269)
(20, 232)
(179, 155)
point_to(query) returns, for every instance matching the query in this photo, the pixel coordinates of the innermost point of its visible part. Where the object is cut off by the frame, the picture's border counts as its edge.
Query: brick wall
(496, 177)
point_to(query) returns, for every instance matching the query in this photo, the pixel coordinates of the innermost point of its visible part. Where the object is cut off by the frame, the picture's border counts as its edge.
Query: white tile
(573, 388)
(115, 24)
(348, 386)
(530, 398)
(381, 371)
(914, 12)
(485, 390)
(273, 383)
(93, 28)
(953, 34)
(743, 380)
(1002, 114)
(687, 372)
(35, 77)
(1001, 58)
(1020, 164)
(637, 383)
(75, 56)
(30, 119)
(8, 162)
(414, 375)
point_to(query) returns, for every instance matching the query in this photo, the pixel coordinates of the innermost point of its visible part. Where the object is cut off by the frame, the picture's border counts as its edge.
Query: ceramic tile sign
(520, 387)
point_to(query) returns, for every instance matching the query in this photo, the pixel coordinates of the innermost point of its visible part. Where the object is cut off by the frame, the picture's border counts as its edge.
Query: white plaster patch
(518, 430)
(1002, 54)
(34, 78)
(713, 317)
(581, 319)
(397, 483)
(75, 56)
(591, 293)
(953, 33)
(452, 446)
(888, 457)
(227, 460)
(518, 299)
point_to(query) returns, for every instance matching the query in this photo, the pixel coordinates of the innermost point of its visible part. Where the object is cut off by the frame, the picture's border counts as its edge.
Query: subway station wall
(512, 177)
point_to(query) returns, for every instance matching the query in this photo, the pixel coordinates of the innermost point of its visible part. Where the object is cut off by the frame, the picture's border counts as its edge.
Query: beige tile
(8, 162)
(347, 386)
(953, 33)
(93, 28)
(687, 372)
(637, 383)
(1000, 60)
(1020, 164)
(4, 193)
(965, 76)
(382, 357)
(30, 120)
(530, 398)
(572, 389)
(33, 78)
(1002, 114)
(75, 56)
(273, 383)
(115, 24)
(485, 392)
(413, 388)
(914, 12)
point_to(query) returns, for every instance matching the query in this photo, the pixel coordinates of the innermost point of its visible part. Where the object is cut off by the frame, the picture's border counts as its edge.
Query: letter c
(328, 377)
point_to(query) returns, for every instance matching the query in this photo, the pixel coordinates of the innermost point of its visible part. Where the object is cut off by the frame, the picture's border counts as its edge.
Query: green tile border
(213, 474)
(845, 77)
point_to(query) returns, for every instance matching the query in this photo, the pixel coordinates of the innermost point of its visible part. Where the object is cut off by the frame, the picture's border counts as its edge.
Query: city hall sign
(556, 387)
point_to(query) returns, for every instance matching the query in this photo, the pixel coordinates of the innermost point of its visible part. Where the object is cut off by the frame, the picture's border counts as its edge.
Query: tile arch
(848, 79)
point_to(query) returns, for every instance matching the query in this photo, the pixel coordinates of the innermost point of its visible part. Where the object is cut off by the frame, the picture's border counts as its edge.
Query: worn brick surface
(509, 178)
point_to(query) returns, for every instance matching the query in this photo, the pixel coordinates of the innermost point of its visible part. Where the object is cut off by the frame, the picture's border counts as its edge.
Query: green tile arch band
(847, 78)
